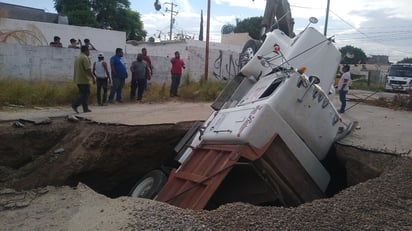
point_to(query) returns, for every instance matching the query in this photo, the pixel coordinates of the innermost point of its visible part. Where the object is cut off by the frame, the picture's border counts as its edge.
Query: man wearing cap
(101, 72)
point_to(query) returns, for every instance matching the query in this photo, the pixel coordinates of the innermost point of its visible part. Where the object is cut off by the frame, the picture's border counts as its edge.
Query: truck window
(399, 78)
(271, 88)
(262, 89)
(401, 71)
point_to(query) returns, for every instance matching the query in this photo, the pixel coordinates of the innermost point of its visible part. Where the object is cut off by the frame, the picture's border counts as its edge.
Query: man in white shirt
(101, 72)
(343, 87)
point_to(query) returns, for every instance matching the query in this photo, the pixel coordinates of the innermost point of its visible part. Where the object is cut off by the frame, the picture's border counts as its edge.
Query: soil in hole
(108, 158)
(111, 158)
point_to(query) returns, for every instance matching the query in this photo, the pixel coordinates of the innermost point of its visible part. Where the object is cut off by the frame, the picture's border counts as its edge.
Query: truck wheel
(149, 185)
(249, 50)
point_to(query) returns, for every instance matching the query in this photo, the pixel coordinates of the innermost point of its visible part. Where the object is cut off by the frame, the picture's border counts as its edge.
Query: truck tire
(149, 185)
(249, 50)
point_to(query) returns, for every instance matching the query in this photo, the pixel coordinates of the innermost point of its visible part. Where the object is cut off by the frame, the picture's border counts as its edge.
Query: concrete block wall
(44, 62)
(103, 40)
(222, 65)
(35, 60)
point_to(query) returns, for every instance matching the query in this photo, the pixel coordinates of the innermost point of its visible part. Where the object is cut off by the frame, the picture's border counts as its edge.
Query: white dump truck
(399, 78)
(273, 125)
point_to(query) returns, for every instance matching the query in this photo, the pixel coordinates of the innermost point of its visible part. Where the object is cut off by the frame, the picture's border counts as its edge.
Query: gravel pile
(382, 203)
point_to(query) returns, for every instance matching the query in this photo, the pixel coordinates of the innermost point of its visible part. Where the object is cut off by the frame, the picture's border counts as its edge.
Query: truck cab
(399, 78)
(273, 125)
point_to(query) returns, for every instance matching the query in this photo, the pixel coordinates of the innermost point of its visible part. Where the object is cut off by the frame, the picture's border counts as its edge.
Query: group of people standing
(73, 43)
(141, 70)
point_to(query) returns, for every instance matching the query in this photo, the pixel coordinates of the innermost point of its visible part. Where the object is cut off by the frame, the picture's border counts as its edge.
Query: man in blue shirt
(119, 75)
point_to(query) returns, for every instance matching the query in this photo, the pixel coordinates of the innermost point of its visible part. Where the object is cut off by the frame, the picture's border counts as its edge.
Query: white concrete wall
(41, 34)
(40, 61)
(235, 38)
(44, 62)
(222, 65)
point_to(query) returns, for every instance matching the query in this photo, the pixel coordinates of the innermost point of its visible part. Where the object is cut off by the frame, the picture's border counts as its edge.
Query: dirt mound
(108, 158)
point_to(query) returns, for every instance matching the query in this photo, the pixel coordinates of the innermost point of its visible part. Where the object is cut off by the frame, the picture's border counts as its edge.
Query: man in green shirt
(81, 76)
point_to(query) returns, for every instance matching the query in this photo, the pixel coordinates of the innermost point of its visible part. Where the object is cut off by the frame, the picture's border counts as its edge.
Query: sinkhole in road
(111, 158)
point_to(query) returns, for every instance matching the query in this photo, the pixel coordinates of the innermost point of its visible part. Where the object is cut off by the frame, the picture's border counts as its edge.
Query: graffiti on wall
(225, 69)
(30, 36)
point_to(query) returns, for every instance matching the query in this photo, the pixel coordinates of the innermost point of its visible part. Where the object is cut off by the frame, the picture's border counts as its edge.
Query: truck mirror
(313, 20)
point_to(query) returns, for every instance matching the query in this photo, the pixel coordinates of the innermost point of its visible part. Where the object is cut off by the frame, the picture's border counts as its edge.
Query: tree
(129, 21)
(227, 28)
(107, 14)
(248, 25)
(78, 12)
(352, 55)
(201, 26)
(406, 60)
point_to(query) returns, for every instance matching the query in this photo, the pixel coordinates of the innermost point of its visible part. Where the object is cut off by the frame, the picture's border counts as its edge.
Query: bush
(200, 91)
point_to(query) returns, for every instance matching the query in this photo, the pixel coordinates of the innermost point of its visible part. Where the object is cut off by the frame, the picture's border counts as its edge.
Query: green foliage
(81, 18)
(132, 24)
(200, 91)
(201, 26)
(227, 28)
(156, 93)
(362, 84)
(249, 25)
(78, 11)
(113, 14)
(36, 93)
(50, 93)
(352, 55)
(406, 60)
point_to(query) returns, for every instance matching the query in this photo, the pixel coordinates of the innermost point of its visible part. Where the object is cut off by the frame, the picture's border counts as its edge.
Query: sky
(378, 27)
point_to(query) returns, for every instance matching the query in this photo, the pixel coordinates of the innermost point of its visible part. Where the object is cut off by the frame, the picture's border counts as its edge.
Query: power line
(386, 36)
(365, 35)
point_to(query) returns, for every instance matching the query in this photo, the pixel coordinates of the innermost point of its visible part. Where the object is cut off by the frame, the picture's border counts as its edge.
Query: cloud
(377, 27)
(251, 4)
(185, 5)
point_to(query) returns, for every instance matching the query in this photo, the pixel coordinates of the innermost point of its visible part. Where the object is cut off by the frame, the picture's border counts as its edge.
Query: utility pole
(172, 13)
(325, 31)
(207, 41)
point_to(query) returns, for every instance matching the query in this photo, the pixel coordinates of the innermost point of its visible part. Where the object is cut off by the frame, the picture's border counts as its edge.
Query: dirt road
(125, 113)
(379, 129)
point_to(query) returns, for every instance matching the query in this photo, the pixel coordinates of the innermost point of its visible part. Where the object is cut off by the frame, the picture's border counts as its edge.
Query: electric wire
(391, 35)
